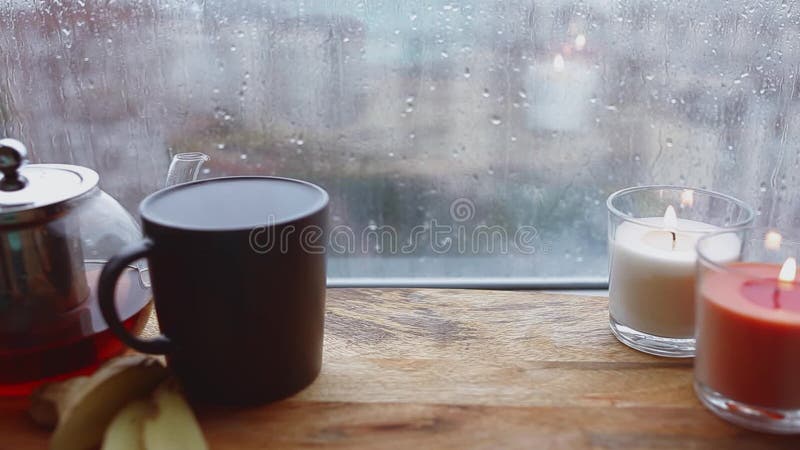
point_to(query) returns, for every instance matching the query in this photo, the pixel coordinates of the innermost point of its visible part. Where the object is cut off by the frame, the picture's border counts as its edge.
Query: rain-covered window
(472, 139)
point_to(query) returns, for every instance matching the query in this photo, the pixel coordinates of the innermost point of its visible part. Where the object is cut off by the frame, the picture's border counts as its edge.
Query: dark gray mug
(238, 273)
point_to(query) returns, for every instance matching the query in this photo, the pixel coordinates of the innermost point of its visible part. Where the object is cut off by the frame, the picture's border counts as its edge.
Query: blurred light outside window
(470, 143)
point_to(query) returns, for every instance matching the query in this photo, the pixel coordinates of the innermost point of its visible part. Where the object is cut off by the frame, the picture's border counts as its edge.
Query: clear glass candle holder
(748, 329)
(652, 233)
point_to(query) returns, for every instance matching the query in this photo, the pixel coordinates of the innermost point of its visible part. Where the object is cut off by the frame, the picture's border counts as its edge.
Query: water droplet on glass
(206, 171)
(467, 73)
(763, 187)
(243, 156)
(444, 54)
(486, 93)
(496, 120)
(221, 146)
(668, 142)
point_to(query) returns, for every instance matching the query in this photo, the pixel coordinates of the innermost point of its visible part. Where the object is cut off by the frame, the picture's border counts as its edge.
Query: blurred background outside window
(458, 140)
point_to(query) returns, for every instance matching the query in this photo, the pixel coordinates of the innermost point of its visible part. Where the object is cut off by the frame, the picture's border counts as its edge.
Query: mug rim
(316, 208)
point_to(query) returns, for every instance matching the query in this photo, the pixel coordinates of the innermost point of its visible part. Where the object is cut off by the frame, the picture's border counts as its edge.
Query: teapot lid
(25, 189)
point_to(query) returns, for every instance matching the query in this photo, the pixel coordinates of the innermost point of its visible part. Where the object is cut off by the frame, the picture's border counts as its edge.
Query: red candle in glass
(748, 341)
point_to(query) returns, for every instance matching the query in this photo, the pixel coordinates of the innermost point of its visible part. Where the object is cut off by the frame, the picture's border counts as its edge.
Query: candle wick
(674, 238)
(776, 293)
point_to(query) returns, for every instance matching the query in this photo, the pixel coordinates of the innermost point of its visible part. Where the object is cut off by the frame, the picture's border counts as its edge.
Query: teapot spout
(185, 167)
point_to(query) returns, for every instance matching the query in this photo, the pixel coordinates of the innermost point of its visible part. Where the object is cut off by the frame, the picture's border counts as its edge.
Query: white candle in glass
(652, 277)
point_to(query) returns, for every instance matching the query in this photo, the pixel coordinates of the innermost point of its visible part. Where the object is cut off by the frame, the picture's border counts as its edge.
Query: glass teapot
(57, 229)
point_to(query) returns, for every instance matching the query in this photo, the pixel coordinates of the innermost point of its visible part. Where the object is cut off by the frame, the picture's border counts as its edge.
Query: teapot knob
(13, 155)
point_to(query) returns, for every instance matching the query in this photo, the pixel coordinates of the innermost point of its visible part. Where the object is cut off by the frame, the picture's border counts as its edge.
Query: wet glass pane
(457, 139)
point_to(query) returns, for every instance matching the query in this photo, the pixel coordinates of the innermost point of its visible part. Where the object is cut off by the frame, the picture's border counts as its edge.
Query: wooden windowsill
(432, 368)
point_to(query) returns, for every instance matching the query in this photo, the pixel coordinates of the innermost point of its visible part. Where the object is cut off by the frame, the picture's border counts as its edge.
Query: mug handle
(105, 290)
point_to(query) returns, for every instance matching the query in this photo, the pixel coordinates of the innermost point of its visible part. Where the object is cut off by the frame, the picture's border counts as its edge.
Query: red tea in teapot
(72, 343)
(57, 229)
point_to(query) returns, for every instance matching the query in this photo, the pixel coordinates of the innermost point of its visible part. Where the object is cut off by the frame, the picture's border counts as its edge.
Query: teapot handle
(106, 287)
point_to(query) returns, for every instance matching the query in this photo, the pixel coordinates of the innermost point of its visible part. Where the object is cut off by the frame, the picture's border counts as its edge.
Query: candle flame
(670, 218)
(558, 63)
(580, 42)
(772, 240)
(687, 198)
(788, 271)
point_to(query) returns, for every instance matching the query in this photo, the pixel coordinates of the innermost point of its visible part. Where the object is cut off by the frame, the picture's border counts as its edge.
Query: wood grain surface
(452, 369)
